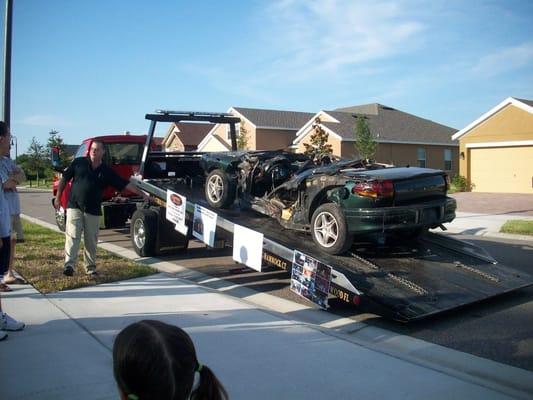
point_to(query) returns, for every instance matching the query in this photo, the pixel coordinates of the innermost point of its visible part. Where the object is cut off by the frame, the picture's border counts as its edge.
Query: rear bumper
(387, 219)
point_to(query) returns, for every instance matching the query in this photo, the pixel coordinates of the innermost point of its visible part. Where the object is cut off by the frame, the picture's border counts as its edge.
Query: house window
(447, 160)
(421, 157)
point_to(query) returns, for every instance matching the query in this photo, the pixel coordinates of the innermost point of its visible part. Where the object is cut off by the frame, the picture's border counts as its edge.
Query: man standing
(89, 178)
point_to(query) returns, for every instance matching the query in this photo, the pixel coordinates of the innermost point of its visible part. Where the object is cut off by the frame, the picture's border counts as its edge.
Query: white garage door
(502, 169)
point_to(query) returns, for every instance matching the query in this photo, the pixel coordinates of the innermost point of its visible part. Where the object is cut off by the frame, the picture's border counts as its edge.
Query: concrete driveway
(495, 203)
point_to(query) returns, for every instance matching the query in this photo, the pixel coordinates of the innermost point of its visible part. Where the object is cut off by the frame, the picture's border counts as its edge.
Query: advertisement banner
(247, 247)
(310, 278)
(175, 211)
(204, 225)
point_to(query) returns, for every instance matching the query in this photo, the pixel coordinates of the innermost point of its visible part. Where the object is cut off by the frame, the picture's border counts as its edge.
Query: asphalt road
(499, 329)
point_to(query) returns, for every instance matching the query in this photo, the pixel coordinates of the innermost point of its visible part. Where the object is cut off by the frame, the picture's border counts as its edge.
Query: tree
(242, 137)
(318, 148)
(365, 144)
(55, 140)
(37, 160)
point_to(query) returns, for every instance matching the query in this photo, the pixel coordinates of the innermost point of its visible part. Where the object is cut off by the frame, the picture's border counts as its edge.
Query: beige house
(403, 139)
(264, 129)
(496, 150)
(185, 136)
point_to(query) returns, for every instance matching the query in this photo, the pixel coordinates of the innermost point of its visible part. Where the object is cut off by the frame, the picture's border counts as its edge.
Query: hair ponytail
(210, 387)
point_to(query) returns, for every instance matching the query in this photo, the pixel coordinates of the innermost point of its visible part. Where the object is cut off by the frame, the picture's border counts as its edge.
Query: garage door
(502, 169)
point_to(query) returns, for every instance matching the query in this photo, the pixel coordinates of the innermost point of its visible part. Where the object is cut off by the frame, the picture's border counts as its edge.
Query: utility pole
(7, 62)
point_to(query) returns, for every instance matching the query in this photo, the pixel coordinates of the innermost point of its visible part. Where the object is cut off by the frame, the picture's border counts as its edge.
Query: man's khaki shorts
(16, 227)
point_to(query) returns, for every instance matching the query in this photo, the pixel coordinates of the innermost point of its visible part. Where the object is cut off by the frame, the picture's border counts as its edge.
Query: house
(263, 129)
(403, 139)
(496, 150)
(185, 136)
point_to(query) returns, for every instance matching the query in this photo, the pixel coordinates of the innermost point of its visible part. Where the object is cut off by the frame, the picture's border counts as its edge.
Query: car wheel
(61, 219)
(143, 230)
(219, 190)
(330, 230)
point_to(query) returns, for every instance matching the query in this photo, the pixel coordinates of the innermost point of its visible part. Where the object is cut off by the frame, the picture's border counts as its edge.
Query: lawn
(517, 226)
(40, 261)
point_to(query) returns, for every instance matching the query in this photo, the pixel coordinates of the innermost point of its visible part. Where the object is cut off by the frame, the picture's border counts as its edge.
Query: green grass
(40, 261)
(517, 226)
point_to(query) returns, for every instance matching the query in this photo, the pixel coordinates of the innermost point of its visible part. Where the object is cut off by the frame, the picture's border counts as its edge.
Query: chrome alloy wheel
(215, 188)
(326, 229)
(139, 233)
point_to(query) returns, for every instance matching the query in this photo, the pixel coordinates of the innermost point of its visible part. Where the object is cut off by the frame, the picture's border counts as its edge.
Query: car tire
(61, 219)
(143, 230)
(330, 230)
(219, 190)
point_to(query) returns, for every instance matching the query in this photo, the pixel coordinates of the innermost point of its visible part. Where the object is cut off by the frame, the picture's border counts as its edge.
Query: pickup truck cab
(123, 154)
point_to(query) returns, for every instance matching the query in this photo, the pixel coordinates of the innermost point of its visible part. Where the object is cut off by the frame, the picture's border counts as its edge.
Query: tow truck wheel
(143, 230)
(219, 190)
(330, 230)
(61, 219)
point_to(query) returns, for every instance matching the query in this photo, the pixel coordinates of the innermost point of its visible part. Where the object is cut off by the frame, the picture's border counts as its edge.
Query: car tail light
(374, 189)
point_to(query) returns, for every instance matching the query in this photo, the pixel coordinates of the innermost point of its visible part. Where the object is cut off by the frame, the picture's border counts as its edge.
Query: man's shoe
(9, 324)
(92, 273)
(68, 271)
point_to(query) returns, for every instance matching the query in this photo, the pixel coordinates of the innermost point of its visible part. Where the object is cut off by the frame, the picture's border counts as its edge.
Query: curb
(503, 378)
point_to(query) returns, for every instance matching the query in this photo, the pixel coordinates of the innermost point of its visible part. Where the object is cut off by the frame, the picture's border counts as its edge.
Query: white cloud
(326, 35)
(504, 60)
(49, 121)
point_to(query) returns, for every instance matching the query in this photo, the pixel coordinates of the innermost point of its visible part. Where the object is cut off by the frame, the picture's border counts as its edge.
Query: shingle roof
(275, 118)
(191, 134)
(528, 102)
(389, 124)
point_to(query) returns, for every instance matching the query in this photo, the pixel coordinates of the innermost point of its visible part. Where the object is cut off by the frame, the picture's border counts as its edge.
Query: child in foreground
(154, 360)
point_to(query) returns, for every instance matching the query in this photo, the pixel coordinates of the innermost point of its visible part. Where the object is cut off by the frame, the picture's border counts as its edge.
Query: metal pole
(7, 62)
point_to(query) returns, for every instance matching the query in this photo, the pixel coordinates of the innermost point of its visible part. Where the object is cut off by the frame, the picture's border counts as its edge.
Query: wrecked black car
(337, 202)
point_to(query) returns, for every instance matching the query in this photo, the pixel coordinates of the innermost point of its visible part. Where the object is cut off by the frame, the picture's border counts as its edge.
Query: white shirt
(7, 166)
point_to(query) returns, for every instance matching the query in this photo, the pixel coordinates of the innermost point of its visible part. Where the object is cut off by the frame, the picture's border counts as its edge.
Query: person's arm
(67, 175)
(134, 189)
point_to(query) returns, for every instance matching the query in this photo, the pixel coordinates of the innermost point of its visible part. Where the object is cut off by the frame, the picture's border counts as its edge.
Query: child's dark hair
(3, 128)
(154, 360)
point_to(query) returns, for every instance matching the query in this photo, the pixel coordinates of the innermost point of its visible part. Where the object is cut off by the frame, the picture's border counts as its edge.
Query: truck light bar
(193, 113)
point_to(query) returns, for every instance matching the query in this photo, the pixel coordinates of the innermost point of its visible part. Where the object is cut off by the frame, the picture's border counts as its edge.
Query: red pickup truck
(123, 154)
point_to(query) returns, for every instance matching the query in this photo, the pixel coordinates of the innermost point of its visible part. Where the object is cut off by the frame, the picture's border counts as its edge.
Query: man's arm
(134, 189)
(60, 188)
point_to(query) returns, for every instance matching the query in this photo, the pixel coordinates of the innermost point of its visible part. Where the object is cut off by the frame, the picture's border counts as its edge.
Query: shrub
(460, 184)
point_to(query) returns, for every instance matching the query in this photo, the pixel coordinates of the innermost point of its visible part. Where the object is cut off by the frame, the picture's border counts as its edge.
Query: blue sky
(87, 68)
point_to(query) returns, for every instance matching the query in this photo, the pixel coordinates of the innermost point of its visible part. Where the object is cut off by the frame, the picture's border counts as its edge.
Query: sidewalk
(484, 225)
(65, 350)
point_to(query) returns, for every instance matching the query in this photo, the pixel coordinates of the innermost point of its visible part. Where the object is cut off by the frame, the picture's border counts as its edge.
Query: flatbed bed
(407, 280)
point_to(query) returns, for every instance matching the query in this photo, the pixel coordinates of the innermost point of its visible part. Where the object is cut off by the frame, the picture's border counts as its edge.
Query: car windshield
(124, 153)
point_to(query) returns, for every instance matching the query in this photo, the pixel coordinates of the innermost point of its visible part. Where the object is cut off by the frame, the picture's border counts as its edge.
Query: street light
(14, 141)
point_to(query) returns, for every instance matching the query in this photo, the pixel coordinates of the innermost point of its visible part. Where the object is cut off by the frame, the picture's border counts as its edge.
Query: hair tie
(132, 396)
(199, 367)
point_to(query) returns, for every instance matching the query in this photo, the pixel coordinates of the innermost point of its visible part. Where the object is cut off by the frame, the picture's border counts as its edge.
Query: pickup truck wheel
(143, 230)
(61, 219)
(330, 230)
(219, 190)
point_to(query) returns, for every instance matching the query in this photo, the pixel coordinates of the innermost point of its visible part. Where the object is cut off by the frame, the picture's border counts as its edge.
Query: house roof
(274, 119)
(189, 133)
(389, 125)
(71, 149)
(526, 105)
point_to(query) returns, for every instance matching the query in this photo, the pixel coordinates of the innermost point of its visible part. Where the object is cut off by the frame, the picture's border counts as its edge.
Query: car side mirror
(56, 159)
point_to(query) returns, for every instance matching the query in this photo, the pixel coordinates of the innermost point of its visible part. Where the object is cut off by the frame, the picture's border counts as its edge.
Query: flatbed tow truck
(405, 280)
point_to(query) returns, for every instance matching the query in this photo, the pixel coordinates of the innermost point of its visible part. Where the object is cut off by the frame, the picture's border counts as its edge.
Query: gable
(525, 105)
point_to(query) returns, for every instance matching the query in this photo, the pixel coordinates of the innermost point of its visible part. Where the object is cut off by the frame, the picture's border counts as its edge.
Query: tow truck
(404, 280)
